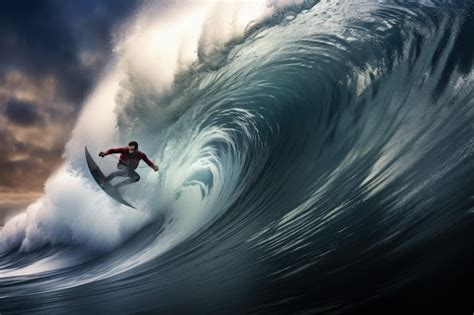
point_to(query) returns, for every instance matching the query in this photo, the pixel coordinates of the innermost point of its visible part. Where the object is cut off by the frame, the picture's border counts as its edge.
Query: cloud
(47, 38)
(36, 39)
(24, 166)
(23, 113)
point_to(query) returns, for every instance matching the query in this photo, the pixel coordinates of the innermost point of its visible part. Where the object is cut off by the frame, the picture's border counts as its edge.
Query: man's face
(131, 149)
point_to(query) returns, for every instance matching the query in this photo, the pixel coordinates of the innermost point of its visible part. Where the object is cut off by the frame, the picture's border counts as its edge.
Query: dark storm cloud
(35, 39)
(22, 113)
(98, 19)
(45, 37)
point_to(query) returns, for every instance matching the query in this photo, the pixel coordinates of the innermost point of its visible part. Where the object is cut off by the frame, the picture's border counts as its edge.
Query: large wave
(297, 142)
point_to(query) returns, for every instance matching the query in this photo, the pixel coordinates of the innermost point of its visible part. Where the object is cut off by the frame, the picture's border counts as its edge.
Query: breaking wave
(300, 143)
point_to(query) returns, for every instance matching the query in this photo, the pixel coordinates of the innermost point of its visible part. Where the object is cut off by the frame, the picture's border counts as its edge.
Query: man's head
(132, 147)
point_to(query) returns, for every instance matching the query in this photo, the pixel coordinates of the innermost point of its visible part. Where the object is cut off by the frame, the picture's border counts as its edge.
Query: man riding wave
(128, 162)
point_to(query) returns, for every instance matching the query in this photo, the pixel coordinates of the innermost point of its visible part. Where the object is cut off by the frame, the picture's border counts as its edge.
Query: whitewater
(302, 145)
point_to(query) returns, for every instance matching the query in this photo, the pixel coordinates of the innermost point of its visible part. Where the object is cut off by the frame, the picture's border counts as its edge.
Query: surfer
(128, 162)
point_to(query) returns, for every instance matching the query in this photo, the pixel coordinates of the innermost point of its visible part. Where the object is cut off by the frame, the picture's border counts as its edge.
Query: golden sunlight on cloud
(35, 123)
(18, 86)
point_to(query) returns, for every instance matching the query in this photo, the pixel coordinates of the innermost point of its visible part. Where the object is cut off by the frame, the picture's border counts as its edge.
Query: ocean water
(315, 157)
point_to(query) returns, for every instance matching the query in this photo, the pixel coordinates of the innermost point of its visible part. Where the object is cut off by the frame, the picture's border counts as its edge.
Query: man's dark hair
(134, 144)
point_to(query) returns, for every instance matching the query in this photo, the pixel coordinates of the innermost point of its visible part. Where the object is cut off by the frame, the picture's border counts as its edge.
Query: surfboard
(99, 177)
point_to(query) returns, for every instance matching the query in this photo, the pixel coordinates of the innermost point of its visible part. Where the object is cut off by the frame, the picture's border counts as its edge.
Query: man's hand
(102, 154)
(156, 168)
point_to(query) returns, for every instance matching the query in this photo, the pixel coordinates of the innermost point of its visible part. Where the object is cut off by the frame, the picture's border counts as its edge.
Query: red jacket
(130, 160)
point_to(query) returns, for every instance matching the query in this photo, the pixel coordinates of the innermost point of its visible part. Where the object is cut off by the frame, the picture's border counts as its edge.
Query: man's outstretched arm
(112, 150)
(149, 162)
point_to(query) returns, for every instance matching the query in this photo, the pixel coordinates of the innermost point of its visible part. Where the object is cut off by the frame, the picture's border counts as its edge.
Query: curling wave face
(298, 144)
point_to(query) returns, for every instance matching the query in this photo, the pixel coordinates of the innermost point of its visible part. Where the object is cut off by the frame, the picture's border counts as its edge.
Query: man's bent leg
(133, 178)
(121, 172)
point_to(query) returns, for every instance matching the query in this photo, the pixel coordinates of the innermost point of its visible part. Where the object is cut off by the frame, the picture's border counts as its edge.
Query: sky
(51, 54)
